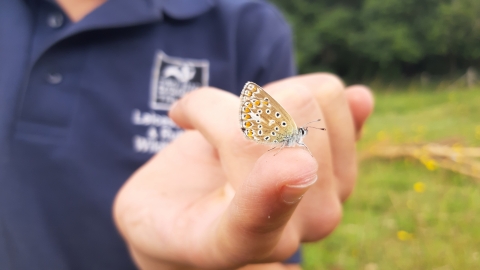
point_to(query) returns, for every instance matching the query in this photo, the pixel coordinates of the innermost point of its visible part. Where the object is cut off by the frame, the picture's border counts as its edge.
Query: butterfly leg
(272, 148)
(283, 145)
(304, 145)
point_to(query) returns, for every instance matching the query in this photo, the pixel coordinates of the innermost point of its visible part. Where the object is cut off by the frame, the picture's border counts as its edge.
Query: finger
(361, 102)
(253, 224)
(321, 210)
(332, 99)
(205, 105)
(298, 99)
(215, 113)
(329, 93)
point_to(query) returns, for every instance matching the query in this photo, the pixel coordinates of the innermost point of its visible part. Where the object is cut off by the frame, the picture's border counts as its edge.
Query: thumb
(253, 223)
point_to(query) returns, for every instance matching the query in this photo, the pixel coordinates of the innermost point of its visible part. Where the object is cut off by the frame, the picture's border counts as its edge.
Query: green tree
(389, 39)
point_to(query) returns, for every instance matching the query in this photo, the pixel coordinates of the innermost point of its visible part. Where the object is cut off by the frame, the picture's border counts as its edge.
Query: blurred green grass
(389, 224)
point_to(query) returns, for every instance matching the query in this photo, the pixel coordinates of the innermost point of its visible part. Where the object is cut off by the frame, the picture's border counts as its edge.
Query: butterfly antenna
(318, 120)
(315, 128)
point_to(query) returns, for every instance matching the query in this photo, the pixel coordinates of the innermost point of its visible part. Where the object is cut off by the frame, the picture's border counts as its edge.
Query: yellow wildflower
(430, 164)
(419, 187)
(404, 236)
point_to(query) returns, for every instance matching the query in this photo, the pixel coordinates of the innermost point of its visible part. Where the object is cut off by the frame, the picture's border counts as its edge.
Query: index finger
(215, 113)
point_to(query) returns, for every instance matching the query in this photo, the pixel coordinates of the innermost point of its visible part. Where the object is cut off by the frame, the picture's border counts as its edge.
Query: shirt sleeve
(265, 45)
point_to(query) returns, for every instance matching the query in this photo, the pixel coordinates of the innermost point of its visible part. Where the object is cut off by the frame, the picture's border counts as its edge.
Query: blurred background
(417, 202)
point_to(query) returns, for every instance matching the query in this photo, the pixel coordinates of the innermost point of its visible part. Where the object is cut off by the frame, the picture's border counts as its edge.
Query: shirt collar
(184, 9)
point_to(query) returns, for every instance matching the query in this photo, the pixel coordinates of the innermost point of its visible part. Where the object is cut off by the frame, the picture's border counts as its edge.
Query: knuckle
(348, 183)
(330, 81)
(297, 97)
(323, 223)
(331, 87)
(193, 97)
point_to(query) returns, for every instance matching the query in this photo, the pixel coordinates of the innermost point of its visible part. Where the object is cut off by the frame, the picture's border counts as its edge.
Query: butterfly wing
(262, 118)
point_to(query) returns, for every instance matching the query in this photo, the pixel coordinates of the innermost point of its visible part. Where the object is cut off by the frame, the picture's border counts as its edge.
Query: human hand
(214, 200)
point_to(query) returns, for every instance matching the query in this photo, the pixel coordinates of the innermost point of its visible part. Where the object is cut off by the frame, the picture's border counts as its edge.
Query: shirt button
(55, 20)
(54, 78)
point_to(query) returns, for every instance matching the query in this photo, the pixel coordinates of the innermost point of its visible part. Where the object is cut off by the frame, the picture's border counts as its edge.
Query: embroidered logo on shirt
(173, 77)
(160, 130)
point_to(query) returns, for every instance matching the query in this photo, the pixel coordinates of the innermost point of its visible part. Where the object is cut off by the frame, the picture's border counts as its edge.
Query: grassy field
(404, 215)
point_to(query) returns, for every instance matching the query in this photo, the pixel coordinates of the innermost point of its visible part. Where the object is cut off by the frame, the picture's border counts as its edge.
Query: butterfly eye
(248, 93)
(251, 86)
(284, 124)
(277, 114)
(273, 133)
(258, 121)
(267, 138)
(259, 111)
(277, 128)
(248, 104)
(275, 141)
(260, 132)
(259, 126)
(257, 103)
(246, 116)
(249, 133)
(266, 99)
(245, 109)
(267, 111)
(247, 124)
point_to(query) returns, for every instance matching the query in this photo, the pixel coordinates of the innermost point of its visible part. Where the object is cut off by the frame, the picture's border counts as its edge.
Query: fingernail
(293, 193)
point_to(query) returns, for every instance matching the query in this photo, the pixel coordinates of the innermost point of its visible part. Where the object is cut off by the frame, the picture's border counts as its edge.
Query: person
(85, 91)
(214, 200)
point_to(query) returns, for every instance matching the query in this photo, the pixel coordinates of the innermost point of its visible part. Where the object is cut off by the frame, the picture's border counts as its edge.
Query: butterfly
(264, 120)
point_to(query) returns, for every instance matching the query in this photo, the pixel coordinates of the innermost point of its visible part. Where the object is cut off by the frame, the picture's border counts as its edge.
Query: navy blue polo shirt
(83, 105)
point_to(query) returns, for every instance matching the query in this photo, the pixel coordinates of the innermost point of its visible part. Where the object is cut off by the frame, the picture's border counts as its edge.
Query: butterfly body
(296, 138)
(264, 120)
